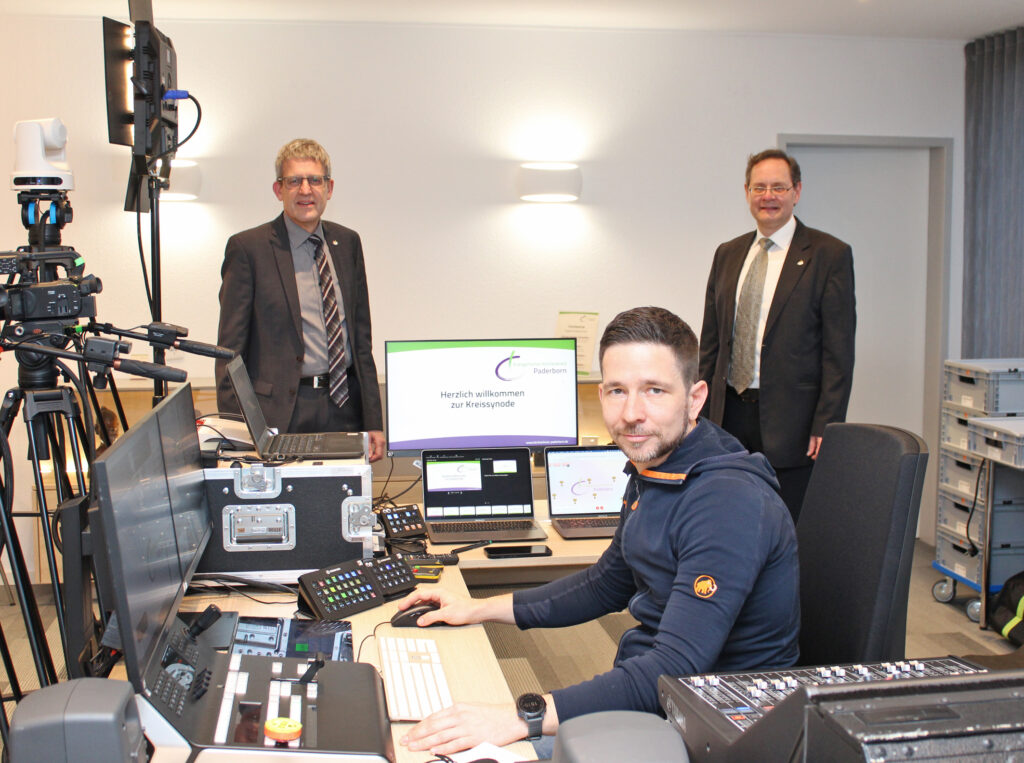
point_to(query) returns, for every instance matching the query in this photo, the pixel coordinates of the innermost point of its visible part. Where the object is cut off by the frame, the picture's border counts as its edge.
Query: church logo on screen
(515, 367)
(510, 372)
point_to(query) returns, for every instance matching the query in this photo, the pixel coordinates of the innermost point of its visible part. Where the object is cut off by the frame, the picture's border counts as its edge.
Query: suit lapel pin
(800, 262)
(334, 243)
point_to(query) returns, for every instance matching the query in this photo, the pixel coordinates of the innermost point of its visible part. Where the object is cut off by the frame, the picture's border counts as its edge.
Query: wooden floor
(546, 659)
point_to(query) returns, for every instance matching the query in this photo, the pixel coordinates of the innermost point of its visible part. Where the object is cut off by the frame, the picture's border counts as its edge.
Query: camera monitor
(490, 393)
(156, 72)
(117, 59)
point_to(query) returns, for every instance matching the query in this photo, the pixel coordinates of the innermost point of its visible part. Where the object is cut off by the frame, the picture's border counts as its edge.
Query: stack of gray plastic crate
(980, 513)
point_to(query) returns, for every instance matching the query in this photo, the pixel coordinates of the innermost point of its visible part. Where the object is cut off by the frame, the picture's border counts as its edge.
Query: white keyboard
(414, 679)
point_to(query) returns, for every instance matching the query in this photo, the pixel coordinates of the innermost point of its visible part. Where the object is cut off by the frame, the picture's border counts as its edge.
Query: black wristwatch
(531, 708)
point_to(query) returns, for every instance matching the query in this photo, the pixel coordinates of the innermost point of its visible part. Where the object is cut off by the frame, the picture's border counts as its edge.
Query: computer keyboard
(414, 680)
(590, 521)
(490, 525)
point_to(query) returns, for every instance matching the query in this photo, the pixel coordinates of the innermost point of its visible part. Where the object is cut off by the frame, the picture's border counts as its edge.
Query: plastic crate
(960, 472)
(1001, 439)
(953, 554)
(985, 386)
(1007, 521)
(953, 427)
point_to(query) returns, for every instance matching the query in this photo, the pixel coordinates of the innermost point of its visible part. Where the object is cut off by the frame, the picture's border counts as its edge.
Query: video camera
(34, 291)
(39, 295)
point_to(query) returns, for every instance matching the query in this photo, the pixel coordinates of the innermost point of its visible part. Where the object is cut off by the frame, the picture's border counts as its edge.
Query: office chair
(856, 533)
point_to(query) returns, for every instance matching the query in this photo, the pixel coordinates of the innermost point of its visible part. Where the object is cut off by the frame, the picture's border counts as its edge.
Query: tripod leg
(7, 585)
(44, 513)
(26, 596)
(16, 693)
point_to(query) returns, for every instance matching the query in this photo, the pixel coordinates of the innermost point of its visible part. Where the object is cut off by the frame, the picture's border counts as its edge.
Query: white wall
(426, 125)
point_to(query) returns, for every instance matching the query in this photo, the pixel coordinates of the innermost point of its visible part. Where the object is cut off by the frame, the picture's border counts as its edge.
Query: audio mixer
(899, 710)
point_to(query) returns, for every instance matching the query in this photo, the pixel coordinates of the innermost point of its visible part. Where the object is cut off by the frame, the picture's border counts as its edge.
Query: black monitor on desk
(190, 512)
(153, 523)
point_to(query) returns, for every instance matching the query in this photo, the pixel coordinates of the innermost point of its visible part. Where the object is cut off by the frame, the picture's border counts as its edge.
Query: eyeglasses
(776, 190)
(295, 181)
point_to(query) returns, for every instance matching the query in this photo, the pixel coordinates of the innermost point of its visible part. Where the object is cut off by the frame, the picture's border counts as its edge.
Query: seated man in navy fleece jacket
(705, 556)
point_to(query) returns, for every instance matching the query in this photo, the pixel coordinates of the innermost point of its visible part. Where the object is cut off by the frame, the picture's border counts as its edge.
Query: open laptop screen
(585, 481)
(251, 411)
(477, 483)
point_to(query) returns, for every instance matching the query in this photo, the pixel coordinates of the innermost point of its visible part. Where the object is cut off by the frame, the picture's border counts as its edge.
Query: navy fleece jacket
(705, 558)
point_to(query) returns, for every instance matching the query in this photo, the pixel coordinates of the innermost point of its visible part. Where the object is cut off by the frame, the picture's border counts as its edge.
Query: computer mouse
(408, 617)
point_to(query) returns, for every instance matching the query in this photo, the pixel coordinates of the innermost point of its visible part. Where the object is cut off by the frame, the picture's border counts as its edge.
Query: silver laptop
(270, 445)
(476, 494)
(585, 488)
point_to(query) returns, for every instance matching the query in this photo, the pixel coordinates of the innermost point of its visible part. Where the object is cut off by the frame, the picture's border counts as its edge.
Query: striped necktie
(334, 321)
(748, 316)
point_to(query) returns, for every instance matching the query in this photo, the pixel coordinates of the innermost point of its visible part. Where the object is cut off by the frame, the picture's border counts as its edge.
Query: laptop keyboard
(489, 525)
(588, 521)
(302, 443)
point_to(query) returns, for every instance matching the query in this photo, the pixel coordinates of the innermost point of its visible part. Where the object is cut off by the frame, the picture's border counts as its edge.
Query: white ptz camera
(40, 162)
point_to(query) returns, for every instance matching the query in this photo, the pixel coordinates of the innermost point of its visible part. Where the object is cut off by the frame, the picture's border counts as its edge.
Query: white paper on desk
(487, 750)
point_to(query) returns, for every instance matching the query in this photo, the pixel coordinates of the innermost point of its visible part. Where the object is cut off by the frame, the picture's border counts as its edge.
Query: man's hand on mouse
(460, 610)
(452, 609)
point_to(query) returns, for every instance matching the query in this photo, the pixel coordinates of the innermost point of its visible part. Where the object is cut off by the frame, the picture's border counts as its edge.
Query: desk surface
(470, 665)
(566, 556)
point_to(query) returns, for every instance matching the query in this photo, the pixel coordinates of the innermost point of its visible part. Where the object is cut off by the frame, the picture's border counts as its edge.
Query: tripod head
(44, 225)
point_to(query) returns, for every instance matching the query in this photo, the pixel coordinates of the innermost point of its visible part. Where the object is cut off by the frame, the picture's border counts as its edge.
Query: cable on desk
(384, 490)
(372, 634)
(414, 484)
(406, 545)
(234, 583)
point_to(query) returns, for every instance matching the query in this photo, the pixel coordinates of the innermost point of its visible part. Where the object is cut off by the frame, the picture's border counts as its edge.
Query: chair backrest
(856, 537)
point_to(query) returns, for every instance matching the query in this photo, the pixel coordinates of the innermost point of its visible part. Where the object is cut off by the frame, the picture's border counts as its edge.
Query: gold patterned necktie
(748, 316)
(337, 364)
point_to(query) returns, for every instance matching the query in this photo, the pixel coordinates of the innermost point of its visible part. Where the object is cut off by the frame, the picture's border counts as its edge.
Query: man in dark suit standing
(777, 343)
(294, 304)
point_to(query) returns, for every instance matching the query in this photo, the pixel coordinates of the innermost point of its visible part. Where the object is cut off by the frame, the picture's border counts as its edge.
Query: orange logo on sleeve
(705, 586)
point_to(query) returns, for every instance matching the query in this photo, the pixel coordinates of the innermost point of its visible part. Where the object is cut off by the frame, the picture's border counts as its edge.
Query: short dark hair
(774, 153)
(654, 325)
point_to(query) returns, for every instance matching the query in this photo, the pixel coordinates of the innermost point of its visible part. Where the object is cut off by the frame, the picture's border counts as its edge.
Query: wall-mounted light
(185, 182)
(549, 181)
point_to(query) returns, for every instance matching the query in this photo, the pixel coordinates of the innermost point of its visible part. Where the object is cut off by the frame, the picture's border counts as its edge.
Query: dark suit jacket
(807, 353)
(260, 318)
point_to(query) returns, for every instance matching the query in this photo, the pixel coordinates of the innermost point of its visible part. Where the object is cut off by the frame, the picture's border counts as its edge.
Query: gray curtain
(993, 317)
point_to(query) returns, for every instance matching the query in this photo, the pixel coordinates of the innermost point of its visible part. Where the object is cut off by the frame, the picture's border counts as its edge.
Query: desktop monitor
(186, 490)
(480, 393)
(150, 540)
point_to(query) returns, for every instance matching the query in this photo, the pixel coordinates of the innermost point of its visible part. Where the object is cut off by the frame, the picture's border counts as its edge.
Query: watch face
(531, 703)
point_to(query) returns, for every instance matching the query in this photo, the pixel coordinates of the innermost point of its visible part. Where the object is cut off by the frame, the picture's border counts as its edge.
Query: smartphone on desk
(514, 552)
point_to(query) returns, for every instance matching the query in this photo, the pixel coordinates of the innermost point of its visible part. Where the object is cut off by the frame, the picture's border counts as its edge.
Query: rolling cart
(979, 538)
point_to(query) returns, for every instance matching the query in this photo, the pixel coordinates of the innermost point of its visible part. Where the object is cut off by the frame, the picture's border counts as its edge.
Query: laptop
(585, 487)
(473, 494)
(270, 445)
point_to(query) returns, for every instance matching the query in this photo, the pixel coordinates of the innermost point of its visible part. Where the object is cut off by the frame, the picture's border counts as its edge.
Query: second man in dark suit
(777, 343)
(294, 304)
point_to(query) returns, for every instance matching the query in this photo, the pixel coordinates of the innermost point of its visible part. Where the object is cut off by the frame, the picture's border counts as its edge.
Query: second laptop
(476, 494)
